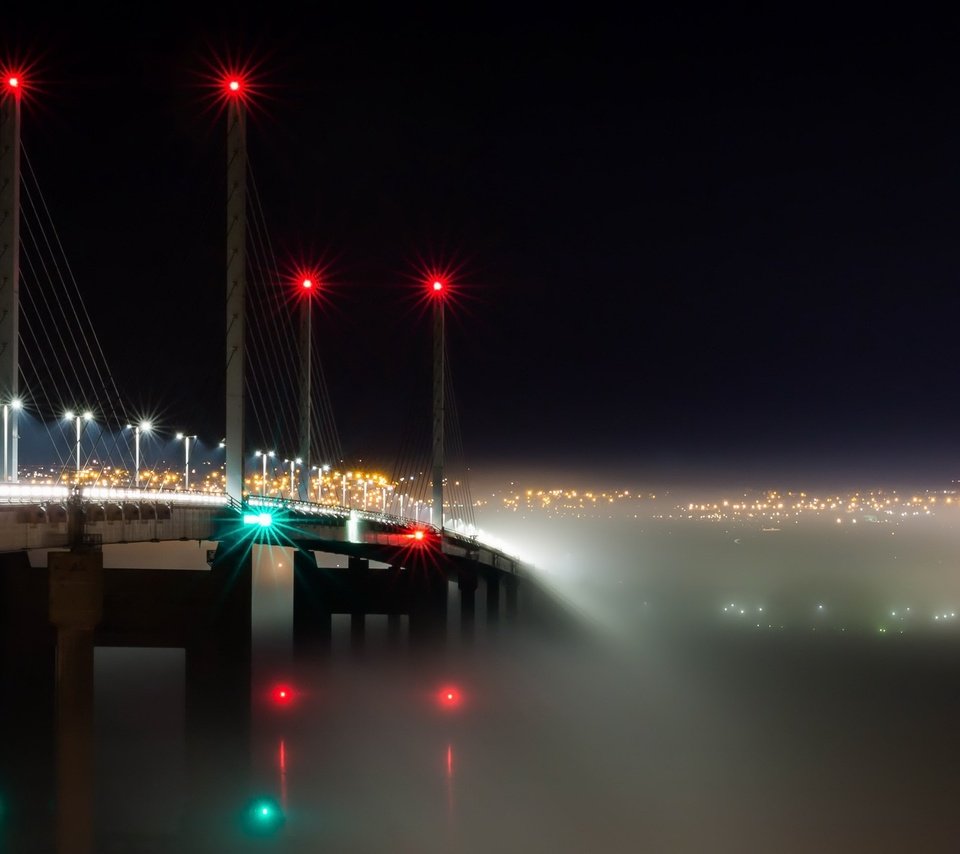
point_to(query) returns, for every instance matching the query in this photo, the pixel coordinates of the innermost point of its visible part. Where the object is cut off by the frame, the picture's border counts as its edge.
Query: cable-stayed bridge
(55, 385)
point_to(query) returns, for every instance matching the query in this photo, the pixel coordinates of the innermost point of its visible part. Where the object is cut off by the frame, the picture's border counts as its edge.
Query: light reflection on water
(677, 732)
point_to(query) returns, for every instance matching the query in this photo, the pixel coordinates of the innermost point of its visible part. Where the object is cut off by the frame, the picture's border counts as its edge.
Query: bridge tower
(308, 284)
(236, 280)
(10, 267)
(438, 288)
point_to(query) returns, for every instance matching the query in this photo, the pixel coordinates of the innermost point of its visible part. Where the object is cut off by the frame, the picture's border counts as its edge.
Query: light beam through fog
(769, 671)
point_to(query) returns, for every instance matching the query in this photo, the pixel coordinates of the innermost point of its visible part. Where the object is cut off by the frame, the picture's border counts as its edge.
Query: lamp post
(16, 405)
(142, 427)
(186, 460)
(86, 416)
(321, 471)
(297, 461)
(263, 478)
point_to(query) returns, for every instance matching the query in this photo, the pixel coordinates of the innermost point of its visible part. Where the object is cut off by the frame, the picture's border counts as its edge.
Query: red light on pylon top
(306, 280)
(437, 286)
(234, 86)
(13, 82)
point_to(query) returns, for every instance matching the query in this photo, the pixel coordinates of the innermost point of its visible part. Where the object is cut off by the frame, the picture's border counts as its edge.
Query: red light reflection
(282, 695)
(449, 697)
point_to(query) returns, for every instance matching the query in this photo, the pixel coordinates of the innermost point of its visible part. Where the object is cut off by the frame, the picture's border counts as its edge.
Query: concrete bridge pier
(217, 703)
(467, 584)
(511, 585)
(76, 607)
(359, 574)
(27, 719)
(492, 583)
(428, 604)
(393, 626)
(312, 619)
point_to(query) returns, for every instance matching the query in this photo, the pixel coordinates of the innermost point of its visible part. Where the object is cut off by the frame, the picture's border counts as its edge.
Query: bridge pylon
(438, 288)
(236, 282)
(10, 97)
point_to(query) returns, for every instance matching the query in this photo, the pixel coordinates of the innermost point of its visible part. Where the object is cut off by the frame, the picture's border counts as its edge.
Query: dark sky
(713, 241)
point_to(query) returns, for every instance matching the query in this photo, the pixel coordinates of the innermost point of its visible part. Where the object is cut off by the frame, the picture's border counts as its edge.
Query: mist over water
(663, 723)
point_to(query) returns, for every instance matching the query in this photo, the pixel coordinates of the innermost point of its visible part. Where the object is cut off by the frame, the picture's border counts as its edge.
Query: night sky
(722, 243)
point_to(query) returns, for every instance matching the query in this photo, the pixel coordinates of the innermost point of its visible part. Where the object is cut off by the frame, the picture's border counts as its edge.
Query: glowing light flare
(13, 81)
(263, 816)
(229, 82)
(449, 698)
(282, 695)
(234, 86)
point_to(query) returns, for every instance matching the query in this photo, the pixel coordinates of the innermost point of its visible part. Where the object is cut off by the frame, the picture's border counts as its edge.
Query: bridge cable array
(273, 360)
(63, 365)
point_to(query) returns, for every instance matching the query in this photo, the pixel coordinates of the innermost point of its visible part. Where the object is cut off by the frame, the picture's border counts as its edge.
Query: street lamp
(186, 461)
(321, 471)
(263, 480)
(86, 416)
(142, 427)
(297, 461)
(16, 405)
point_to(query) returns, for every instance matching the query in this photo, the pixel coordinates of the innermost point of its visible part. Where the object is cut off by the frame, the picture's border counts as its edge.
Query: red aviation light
(306, 280)
(234, 86)
(438, 285)
(13, 82)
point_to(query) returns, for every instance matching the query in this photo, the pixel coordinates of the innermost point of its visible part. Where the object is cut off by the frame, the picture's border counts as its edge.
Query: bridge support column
(217, 701)
(311, 606)
(428, 604)
(511, 584)
(76, 606)
(467, 582)
(27, 703)
(492, 583)
(358, 627)
(359, 576)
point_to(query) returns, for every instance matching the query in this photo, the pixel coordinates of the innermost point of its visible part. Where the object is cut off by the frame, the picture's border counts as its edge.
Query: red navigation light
(449, 697)
(307, 284)
(438, 285)
(13, 82)
(420, 536)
